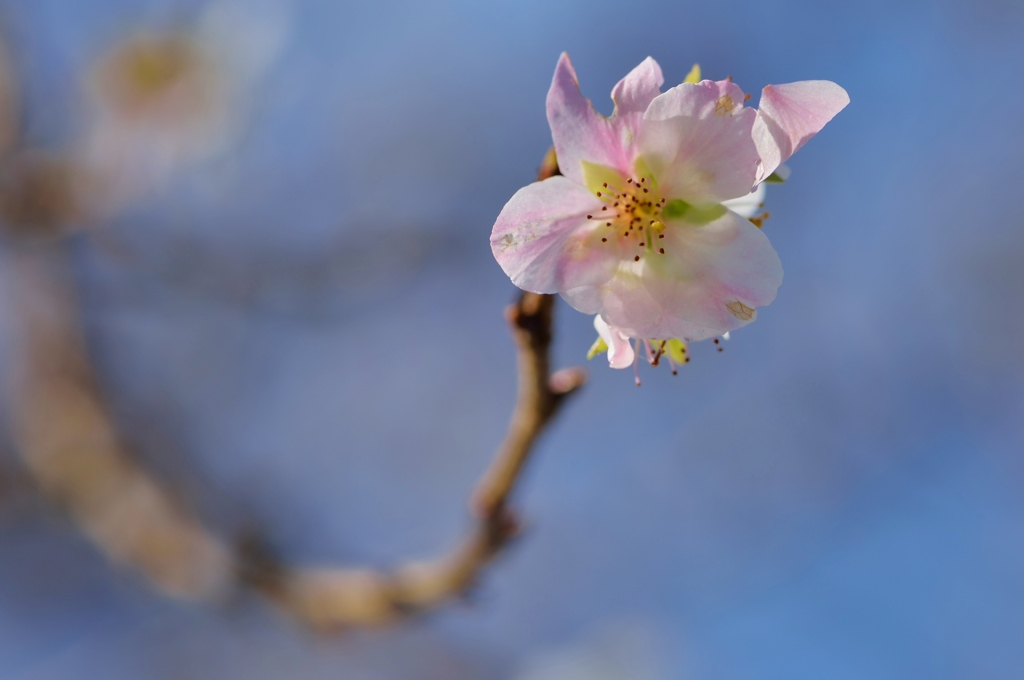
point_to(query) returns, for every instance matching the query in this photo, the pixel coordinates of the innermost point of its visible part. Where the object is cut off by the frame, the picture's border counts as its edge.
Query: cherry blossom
(652, 225)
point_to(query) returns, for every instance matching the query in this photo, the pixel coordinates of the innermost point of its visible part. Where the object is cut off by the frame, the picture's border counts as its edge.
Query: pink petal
(697, 141)
(544, 242)
(634, 93)
(622, 301)
(791, 114)
(712, 277)
(582, 134)
(620, 349)
(578, 131)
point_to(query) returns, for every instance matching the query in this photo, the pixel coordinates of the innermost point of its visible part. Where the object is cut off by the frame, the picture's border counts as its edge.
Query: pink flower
(648, 225)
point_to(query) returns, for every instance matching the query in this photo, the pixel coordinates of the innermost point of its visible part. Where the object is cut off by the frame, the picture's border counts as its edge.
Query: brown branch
(70, 446)
(356, 597)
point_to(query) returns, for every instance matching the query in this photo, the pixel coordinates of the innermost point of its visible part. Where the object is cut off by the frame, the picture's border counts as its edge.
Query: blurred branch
(336, 597)
(70, 446)
(68, 442)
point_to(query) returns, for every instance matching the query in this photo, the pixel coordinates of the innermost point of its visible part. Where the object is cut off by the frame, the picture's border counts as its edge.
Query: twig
(356, 597)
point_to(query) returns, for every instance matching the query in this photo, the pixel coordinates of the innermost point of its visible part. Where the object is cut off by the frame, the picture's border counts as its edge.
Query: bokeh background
(301, 332)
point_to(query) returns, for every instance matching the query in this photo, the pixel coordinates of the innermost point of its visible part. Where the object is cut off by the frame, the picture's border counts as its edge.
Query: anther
(641, 244)
(636, 259)
(605, 185)
(599, 193)
(661, 250)
(604, 240)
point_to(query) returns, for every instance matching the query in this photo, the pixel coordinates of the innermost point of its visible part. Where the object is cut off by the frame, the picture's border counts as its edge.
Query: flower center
(631, 216)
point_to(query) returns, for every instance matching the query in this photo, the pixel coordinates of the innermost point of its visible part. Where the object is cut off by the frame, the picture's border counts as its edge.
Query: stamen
(636, 363)
(671, 363)
(657, 357)
(647, 349)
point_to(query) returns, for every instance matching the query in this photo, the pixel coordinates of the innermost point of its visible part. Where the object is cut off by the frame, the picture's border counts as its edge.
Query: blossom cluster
(652, 225)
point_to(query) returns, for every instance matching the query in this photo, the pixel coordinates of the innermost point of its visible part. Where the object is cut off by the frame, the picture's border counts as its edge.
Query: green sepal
(598, 347)
(595, 176)
(694, 75)
(677, 208)
(775, 178)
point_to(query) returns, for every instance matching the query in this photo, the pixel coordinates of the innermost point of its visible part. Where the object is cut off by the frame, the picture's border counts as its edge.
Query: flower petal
(712, 277)
(577, 130)
(789, 115)
(622, 301)
(697, 141)
(544, 242)
(620, 349)
(634, 93)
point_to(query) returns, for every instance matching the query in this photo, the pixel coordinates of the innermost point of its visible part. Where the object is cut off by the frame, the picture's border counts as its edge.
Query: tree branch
(350, 597)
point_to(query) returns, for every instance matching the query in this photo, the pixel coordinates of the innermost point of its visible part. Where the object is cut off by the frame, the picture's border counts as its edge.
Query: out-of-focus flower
(650, 226)
(161, 101)
(156, 102)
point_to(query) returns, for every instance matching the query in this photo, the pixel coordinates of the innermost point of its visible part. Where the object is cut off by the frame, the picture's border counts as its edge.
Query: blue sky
(837, 495)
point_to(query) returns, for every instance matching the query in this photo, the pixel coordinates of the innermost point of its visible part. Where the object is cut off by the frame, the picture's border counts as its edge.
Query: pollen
(634, 209)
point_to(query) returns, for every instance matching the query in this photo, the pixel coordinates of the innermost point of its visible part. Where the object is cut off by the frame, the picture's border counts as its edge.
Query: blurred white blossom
(161, 101)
